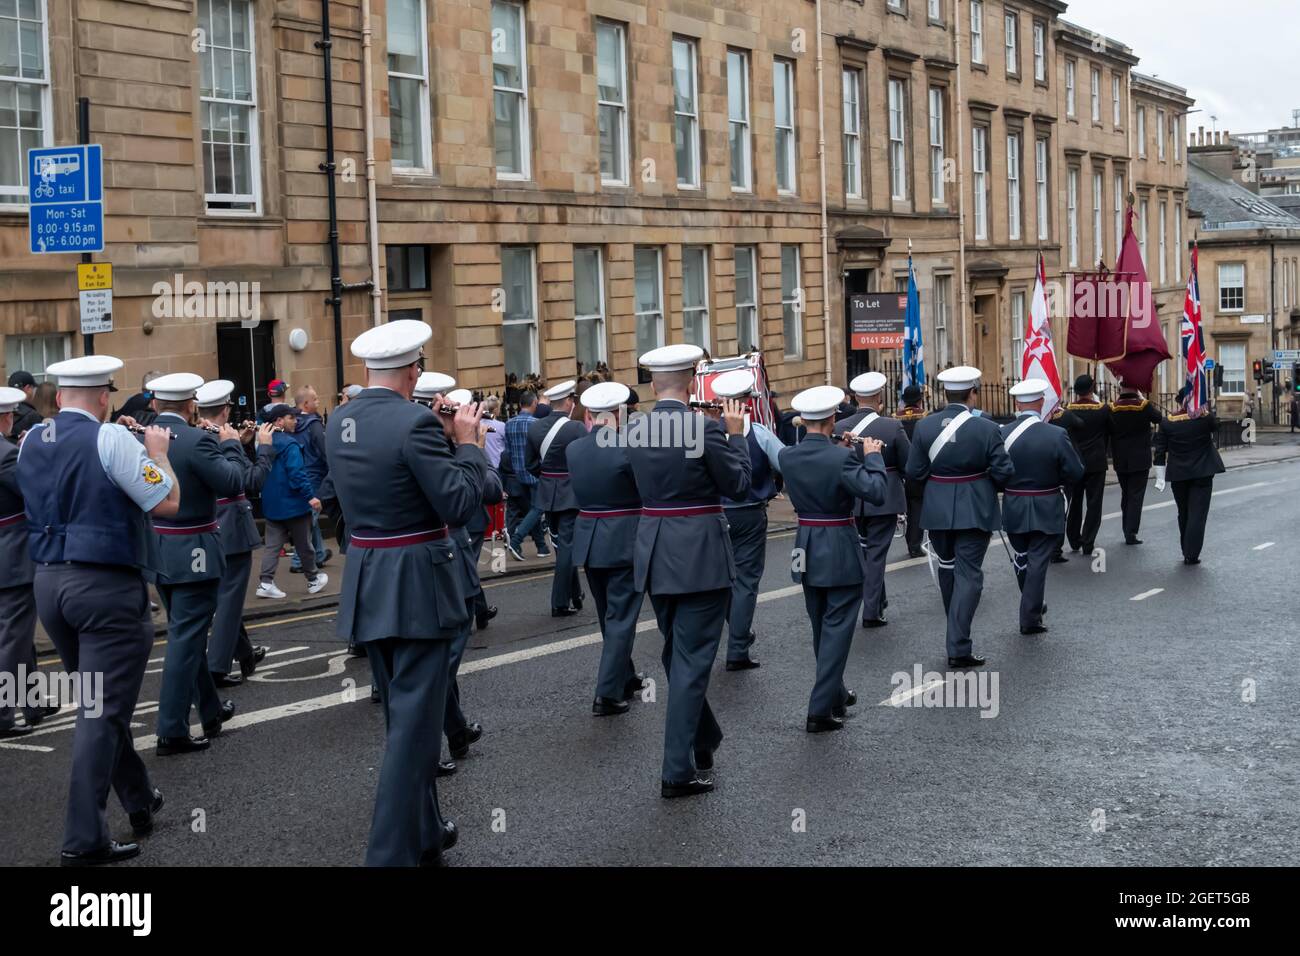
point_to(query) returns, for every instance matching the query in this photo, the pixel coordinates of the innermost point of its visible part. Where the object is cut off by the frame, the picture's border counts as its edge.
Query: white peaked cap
(393, 344)
(816, 404)
(460, 396)
(672, 358)
(868, 384)
(10, 397)
(558, 393)
(430, 384)
(216, 392)
(85, 372)
(1029, 389)
(176, 387)
(734, 384)
(605, 396)
(959, 379)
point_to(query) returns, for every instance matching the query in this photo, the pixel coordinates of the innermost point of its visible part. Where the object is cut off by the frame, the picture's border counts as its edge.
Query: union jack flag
(1193, 344)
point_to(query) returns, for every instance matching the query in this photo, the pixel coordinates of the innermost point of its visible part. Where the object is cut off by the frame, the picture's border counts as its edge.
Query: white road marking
(285, 650)
(1264, 547)
(898, 700)
(1146, 594)
(38, 749)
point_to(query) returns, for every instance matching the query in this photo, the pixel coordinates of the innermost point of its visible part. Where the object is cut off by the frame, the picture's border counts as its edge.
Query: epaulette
(1128, 406)
(1084, 406)
(910, 416)
(1177, 418)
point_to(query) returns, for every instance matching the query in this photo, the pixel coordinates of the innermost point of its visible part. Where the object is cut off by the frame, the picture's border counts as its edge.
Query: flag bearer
(1131, 418)
(1185, 454)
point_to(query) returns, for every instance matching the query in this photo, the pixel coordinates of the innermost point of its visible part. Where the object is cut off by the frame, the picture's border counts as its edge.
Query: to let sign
(877, 320)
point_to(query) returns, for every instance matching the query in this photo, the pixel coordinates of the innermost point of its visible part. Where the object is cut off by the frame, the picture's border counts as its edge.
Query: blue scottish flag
(913, 350)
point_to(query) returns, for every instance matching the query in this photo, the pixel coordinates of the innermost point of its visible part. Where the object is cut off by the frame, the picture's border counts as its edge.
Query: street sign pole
(83, 137)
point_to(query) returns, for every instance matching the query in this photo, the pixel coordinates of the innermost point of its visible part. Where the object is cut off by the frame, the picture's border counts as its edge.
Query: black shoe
(916, 554)
(1059, 558)
(227, 680)
(213, 727)
(450, 835)
(113, 853)
(562, 612)
(248, 665)
(850, 698)
(357, 650)
(635, 684)
(745, 663)
(374, 695)
(297, 570)
(171, 746)
(608, 707)
(704, 760)
(458, 743)
(576, 603)
(821, 725)
(481, 619)
(874, 622)
(142, 820)
(1034, 629)
(15, 730)
(1191, 560)
(688, 788)
(970, 660)
(1133, 539)
(446, 768)
(325, 560)
(40, 713)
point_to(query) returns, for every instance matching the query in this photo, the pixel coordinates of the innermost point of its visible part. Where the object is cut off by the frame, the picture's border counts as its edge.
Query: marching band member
(1185, 455)
(547, 438)
(825, 482)
(911, 413)
(1090, 432)
(1131, 418)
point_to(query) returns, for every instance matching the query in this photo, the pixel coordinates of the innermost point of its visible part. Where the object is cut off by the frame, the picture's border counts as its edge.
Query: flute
(139, 430)
(853, 439)
(711, 406)
(447, 409)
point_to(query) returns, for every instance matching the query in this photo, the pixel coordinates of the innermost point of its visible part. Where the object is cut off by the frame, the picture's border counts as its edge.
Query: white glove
(1160, 477)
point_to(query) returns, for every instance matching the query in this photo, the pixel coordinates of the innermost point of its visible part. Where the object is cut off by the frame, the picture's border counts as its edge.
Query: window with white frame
(1012, 24)
(695, 296)
(1040, 187)
(512, 143)
(977, 31)
(1161, 135)
(792, 301)
(1098, 230)
(519, 321)
(408, 85)
(1164, 244)
(896, 5)
(1013, 186)
(1095, 92)
(686, 118)
(1040, 51)
(746, 299)
(739, 141)
(935, 10)
(851, 108)
(942, 310)
(1232, 356)
(1017, 331)
(24, 95)
(897, 139)
(1116, 112)
(1141, 132)
(783, 102)
(1070, 68)
(1144, 217)
(980, 179)
(1176, 125)
(648, 298)
(1119, 213)
(611, 100)
(228, 100)
(36, 353)
(1178, 242)
(1232, 287)
(588, 307)
(936, 145)
(1072, 214)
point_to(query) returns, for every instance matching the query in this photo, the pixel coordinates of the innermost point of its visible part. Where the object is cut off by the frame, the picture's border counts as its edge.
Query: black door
(856, 282)
(247, 358)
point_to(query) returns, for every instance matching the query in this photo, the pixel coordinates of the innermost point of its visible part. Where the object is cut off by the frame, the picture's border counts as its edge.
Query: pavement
(1156, 723)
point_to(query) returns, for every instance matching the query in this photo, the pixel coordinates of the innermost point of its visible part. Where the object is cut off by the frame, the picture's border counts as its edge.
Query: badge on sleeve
(152, 476)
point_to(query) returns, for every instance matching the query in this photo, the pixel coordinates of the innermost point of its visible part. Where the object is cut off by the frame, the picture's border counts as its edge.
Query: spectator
(349, 392)
(1295, 411)
(522, 519)
(140, 405)
(496, 435)
(25, 415)
(276, 389)
(288, 503)
(310, 436)
(45, 400)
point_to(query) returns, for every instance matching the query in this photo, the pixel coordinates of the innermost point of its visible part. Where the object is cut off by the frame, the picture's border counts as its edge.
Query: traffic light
(1259, 370)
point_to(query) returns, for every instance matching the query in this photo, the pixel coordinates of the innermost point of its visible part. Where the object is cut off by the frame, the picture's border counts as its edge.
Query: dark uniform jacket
(1186, 447)
(238, 527)
(1090, 431)
(1045, 460)
(1130, 434)
(826, 481)
(686, 554)
(975, 457)
(15, 551)
(895, 453)
(909, 416)
(553, 492)
(604, 484)
(394, 472)
(206, 470)
(25, 416)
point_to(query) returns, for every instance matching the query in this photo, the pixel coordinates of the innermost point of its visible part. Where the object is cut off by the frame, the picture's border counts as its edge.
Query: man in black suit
(1131, 418)
(1185, 454)
(1090, 435)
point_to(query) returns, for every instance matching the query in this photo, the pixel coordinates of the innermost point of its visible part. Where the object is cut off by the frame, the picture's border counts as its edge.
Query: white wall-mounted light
(298, 339)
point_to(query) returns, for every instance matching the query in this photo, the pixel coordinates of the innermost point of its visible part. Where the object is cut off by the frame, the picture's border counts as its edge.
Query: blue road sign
(1209, 365)
(65, 196)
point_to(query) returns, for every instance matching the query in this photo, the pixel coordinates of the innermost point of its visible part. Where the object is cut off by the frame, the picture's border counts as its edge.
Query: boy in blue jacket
(288, 503)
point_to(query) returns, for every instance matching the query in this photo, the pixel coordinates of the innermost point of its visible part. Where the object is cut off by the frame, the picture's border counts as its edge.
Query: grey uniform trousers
(833, 613)
(412, 679)
(691, 625)
(476, 549)
(186, 678)
(453, 721)
(99, 620)
(960, 557)
(229, 640)
(618, 604)
(747, 528)
(17, 642)
(876, 534)
(1033, 552)
(565, 586)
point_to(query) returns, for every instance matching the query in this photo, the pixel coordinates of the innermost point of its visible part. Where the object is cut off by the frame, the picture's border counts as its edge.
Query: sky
(1240, 59)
